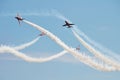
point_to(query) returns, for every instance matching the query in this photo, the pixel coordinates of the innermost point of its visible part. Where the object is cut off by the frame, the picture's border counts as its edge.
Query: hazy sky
(97, 19)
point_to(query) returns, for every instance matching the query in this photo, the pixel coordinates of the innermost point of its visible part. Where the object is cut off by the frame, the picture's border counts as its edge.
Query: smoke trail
(85, 59)
(97, 53)
(51, 12)
(97, 45)
(6, 49)
(26, 44)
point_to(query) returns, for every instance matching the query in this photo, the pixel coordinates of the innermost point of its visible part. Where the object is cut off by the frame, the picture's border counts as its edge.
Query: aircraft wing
(64, 25)
(71, 24)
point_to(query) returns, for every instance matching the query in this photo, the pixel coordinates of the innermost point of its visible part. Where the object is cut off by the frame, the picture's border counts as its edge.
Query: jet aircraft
(42, 34)
(19, 18)
(69, 25)
(78, 48)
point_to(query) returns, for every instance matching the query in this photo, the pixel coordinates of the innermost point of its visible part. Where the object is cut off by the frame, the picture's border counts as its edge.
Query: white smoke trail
(85, 59)
(26, 44)
(6, 14)
(97, 53)
(51, 12)
(23, 46)
(6, 49)
(96, 45)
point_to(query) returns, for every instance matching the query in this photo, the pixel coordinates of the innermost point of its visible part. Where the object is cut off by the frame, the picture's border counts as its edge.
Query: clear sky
(97, 19)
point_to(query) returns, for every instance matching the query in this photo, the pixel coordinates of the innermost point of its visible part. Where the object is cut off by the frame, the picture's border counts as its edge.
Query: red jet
(68, 24)
(42, 34)
(19, 18)
(78, 48)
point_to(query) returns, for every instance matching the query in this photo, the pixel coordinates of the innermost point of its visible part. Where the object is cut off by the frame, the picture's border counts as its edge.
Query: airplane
(19, 18)
(42, 34)
(68, 24)
(78, 48)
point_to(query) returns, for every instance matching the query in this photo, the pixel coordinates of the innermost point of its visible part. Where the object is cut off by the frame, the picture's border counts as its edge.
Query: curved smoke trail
(6, 49)
(85, 59)
(26, 44)
(96, 45)
(23, 46)
(13, 50)
(97, 53)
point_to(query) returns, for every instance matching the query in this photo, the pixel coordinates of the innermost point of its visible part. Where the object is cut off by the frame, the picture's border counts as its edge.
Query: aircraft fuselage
(19, 18)
(68, 24)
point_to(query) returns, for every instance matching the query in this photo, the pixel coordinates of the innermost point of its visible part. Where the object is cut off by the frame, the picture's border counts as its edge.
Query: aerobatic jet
(69, 25)
(19, 18)
(42, 34)
(78, 48)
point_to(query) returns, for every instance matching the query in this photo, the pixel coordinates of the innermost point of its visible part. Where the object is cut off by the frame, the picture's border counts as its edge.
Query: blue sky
(97, 19)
